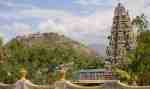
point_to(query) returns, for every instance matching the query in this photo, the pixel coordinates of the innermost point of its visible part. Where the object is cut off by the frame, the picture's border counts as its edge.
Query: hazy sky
(88, 21)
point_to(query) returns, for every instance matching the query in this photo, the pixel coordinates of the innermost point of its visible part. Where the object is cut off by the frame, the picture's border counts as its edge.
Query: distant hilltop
(37, 35)
(54, 39)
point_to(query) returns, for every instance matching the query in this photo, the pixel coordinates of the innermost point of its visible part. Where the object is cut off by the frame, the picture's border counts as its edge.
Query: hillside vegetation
(41, 54)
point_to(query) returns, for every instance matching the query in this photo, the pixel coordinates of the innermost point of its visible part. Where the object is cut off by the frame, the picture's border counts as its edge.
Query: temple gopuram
(122, 38)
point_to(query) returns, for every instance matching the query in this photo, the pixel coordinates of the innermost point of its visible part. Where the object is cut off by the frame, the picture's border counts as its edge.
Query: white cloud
(92, 29)
(14, 29)
(43, 13)
(16, 5)
(19, 28)
(51, 26)
(88, 2)
(136, 7)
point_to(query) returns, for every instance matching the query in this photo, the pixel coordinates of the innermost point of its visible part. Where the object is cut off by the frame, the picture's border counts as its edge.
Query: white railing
(64, 84)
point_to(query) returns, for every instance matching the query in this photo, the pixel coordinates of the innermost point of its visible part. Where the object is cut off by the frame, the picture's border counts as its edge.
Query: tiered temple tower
(122, 36)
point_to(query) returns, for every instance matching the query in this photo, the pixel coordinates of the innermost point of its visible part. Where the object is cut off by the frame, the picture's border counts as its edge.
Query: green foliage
(122, 74)
(140, 64)
(141, 23)
(1, 42)
(36, 56)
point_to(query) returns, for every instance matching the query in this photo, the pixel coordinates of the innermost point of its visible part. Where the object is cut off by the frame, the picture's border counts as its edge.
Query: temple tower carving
(122, 36)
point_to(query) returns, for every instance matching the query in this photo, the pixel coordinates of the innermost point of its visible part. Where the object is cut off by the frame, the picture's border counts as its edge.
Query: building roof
(93, 70)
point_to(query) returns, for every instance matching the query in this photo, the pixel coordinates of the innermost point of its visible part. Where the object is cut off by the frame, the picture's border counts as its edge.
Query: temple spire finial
(119, 3)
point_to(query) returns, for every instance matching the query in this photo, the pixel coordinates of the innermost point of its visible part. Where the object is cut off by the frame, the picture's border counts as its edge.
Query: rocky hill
(52, 40)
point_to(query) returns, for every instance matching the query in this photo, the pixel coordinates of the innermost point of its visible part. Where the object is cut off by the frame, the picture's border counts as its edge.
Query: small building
(95, 74)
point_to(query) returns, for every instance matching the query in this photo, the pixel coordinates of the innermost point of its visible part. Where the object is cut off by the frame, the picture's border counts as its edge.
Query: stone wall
(106, 85)
(26, 84)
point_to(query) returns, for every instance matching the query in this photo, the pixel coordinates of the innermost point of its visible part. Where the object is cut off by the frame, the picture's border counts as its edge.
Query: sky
(87, 21)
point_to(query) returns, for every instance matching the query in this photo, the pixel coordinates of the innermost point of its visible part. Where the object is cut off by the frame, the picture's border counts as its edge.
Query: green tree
(1, 42)
(141, 23)
(139, 65)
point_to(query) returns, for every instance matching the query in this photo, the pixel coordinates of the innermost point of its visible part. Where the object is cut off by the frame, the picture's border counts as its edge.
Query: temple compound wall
(26, 84)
